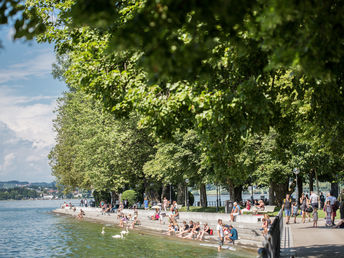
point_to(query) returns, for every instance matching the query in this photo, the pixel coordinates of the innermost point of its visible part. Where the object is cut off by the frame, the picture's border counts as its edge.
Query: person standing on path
(287, 207)
(303, 202)
(219, 229)
(322, 200)
(332, 200)
(341, 200)
(314, 200)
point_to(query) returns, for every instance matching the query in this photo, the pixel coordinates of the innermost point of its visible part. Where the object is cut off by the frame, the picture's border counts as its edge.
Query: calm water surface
(29, 229)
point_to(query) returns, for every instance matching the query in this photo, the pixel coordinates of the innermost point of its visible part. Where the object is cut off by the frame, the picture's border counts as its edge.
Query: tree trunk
(311, 180)
(300, 185)
(278, 191)
(235, 192)
(114, 197)
(181, 193)
(163, 193)
(203, 195)
(238, 193)
(334, 189)
(271, 194)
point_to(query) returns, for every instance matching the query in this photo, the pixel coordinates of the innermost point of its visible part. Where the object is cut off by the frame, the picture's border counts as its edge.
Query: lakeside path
(317, 242)
(249, 233)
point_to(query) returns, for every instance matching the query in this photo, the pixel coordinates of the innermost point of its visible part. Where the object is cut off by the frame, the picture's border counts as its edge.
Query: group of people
(249, 207)
(309, 206)
(83, 203)
(195, 230)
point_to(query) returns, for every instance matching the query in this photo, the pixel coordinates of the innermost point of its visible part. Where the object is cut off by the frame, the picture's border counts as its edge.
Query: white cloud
(8, 160)
(38, 66)
(29, 120)
(20, 161)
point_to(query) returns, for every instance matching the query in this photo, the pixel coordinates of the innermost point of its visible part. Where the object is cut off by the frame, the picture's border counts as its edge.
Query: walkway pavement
(317, 242)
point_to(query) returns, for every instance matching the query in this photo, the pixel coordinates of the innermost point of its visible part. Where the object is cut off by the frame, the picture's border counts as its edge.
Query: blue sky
(28, 96)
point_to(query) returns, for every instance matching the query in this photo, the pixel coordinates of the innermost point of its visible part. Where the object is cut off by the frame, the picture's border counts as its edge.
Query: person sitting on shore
(81, 214)
(194, 232)
(173, 206)
(235, 211)
(104, 207)
(248, 207)
(340, 224)
(123, 221)
(133, 221)
(260, 206)
(185, 229)
(266, 224)
(108, 209)
(233, 234)
(205, 230)
(156, 215)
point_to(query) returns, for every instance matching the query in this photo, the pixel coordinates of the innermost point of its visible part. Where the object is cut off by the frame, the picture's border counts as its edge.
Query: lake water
(29, 229)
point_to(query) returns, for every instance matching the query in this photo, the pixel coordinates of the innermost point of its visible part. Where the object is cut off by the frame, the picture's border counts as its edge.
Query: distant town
(17, 190)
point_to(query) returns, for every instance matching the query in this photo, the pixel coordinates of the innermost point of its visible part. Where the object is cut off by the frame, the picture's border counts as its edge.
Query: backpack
(211, 232)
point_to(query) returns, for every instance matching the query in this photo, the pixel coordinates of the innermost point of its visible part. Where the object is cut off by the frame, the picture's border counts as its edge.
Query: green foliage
(131, 196)
(18, 193)
(101, 196)
(236, 92)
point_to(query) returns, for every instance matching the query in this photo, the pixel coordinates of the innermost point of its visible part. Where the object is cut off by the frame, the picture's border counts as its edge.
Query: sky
(28, 94)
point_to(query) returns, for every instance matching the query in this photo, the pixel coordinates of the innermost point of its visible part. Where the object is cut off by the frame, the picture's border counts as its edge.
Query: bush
(131, 196)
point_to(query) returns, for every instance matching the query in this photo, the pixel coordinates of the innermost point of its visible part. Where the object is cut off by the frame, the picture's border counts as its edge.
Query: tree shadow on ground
(321, 251)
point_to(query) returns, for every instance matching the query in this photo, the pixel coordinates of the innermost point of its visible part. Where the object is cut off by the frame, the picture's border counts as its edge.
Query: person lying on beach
(184, 229)
(194, 232)
(206, 230)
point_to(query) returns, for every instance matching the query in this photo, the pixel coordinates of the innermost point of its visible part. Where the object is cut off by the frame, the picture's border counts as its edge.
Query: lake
(29, 229)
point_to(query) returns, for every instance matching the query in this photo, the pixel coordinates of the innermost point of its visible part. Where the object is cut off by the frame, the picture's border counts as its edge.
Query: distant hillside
(15, 183)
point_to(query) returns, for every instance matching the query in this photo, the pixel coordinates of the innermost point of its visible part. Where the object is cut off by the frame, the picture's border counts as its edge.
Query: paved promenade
(317, 242)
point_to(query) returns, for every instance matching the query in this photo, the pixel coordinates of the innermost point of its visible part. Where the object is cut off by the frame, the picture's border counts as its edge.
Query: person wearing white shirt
(314, 199)
(220, 234)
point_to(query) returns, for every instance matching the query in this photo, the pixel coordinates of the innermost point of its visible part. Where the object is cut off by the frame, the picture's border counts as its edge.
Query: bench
(268, 209)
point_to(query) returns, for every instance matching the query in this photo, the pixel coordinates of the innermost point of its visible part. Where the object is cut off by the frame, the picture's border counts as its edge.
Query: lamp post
(187, 194)
(219, 195)
(217, 199)
(170, 193)
(296, 172)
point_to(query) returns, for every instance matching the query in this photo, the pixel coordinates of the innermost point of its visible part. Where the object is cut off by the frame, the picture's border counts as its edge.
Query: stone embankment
(249, 234)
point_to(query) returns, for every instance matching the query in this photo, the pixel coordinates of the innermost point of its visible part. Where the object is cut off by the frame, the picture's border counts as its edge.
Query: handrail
(272, 243)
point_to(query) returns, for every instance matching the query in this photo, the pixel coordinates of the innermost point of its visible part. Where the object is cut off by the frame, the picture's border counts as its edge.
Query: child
(315, 218)
(328, 210)
(294, 211)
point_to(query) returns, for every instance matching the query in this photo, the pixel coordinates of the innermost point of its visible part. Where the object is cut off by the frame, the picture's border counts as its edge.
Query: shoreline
(247, 240)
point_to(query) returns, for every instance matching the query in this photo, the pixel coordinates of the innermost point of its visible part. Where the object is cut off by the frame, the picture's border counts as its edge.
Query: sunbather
(194, 231)
(185, 229)
(206, 230)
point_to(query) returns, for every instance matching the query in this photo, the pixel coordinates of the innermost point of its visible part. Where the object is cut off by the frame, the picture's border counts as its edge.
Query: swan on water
(125, 231)
(103, 231)
(118, 236)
